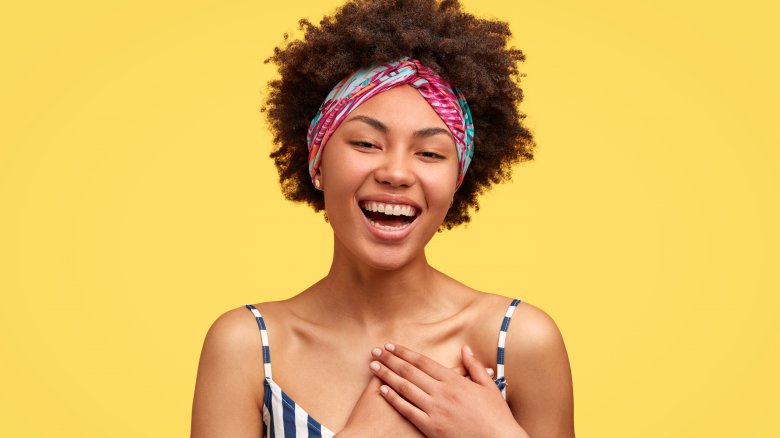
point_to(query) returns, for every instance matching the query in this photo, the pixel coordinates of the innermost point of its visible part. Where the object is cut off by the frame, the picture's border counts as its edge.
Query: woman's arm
(536, 366)
(229, 387)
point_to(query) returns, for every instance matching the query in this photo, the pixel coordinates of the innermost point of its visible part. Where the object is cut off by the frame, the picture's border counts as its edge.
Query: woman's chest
(326, 375)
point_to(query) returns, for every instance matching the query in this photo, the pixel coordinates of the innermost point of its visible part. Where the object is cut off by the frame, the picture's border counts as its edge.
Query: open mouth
(388, 217)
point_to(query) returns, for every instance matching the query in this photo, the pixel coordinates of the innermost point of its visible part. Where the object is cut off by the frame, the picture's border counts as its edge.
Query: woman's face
(392, 154)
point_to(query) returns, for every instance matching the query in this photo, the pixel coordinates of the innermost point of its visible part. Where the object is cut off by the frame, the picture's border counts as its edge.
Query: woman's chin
(388, 260)
(382, 257)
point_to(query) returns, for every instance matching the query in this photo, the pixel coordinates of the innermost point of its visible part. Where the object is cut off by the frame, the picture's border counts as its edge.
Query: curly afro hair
(469, 52)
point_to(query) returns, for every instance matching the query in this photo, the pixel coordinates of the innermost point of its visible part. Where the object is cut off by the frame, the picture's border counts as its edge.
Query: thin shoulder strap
(500, 379)
(264, 337)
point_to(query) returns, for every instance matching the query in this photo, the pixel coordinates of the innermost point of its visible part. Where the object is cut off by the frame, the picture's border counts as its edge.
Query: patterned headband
(447, 101)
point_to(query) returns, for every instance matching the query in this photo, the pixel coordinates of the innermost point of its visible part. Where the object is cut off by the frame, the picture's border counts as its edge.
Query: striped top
(284, 418)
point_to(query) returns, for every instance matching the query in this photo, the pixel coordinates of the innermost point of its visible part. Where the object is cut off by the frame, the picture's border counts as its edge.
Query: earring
(317, 184)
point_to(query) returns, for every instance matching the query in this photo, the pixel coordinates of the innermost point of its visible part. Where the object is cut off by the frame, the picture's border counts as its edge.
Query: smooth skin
(323, 340)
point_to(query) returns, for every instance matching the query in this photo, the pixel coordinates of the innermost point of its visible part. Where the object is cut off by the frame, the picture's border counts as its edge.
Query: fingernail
(374, 365)
(389, 347)
(490, 372)
(468, 351)
(383, 389)
(376, 352)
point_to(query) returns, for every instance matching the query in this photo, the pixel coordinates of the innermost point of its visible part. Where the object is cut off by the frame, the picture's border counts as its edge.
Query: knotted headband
(447, 101)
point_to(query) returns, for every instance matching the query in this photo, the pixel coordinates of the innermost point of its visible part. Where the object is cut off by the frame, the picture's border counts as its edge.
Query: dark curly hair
(469, 52)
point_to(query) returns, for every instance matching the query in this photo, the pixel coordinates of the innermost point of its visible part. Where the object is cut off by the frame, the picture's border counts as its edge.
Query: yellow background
(138, 203)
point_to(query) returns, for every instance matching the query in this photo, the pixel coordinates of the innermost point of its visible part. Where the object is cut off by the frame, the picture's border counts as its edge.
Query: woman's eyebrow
(428, 132)
(381, 127)
(376, 124)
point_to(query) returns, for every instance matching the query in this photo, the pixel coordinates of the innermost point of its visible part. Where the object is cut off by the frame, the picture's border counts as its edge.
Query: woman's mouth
(388, 217)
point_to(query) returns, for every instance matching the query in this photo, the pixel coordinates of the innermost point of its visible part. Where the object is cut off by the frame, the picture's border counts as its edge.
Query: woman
(384, 343)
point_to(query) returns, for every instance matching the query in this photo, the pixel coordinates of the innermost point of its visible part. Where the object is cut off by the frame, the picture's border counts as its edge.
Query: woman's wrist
(515, 432)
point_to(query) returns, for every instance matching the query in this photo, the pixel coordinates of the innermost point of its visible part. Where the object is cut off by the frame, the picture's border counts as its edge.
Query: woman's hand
(441, 402)
(372, 416)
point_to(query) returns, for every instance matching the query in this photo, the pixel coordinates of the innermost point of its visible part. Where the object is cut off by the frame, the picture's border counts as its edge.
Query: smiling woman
(379, 158)
(385, 343)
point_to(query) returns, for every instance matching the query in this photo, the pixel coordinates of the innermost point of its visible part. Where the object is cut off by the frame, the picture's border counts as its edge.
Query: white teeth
(387, 227)
(389, 209)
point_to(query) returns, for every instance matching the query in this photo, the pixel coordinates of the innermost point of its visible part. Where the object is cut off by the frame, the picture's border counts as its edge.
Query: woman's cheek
(439, 189)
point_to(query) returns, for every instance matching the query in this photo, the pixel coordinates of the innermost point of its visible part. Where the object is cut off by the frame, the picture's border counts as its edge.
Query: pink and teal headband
(447, 101)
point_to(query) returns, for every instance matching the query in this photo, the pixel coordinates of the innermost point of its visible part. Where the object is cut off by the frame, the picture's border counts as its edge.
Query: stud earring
(317, 184)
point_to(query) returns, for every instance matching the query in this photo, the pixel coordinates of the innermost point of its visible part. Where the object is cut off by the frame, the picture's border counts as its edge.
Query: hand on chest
(328, 378)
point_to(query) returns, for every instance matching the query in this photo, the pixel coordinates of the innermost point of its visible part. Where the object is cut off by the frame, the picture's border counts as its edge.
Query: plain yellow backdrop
(138, 203)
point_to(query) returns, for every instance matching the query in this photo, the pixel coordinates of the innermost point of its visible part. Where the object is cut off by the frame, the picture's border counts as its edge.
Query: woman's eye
(432, 155)
(362, 144)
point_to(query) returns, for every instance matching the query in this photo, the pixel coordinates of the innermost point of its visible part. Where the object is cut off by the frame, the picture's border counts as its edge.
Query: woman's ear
(318, 180)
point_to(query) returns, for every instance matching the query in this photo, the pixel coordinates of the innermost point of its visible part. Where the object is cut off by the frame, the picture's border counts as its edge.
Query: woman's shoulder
(489, 309)
(229, 389)
(238, 327)
(535, 362)
(235, 326)
(528, 327)
(235, 336)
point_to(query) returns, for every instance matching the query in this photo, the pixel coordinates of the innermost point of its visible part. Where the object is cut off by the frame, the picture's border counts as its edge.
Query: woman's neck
(365, 296)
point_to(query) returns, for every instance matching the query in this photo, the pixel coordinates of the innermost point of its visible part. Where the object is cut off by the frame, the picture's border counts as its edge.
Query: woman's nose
(395, 170)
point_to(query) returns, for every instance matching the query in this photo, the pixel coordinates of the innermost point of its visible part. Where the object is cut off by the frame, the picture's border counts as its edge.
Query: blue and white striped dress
(283, 418)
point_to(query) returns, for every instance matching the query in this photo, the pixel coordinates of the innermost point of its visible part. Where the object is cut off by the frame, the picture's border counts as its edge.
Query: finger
(463, 372)
(405, 370)
(418, 417)
(420, 361)
(405, 388)
(476, 369)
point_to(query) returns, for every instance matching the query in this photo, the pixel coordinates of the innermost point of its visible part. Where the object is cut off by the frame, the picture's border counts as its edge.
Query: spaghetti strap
(281, 415)
(264, 337)
(500, 379)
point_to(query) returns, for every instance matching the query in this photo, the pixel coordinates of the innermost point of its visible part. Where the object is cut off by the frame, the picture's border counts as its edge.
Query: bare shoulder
(229, 390)
(537, 332)
(235, 338)
(235, 332)
(538, 374)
